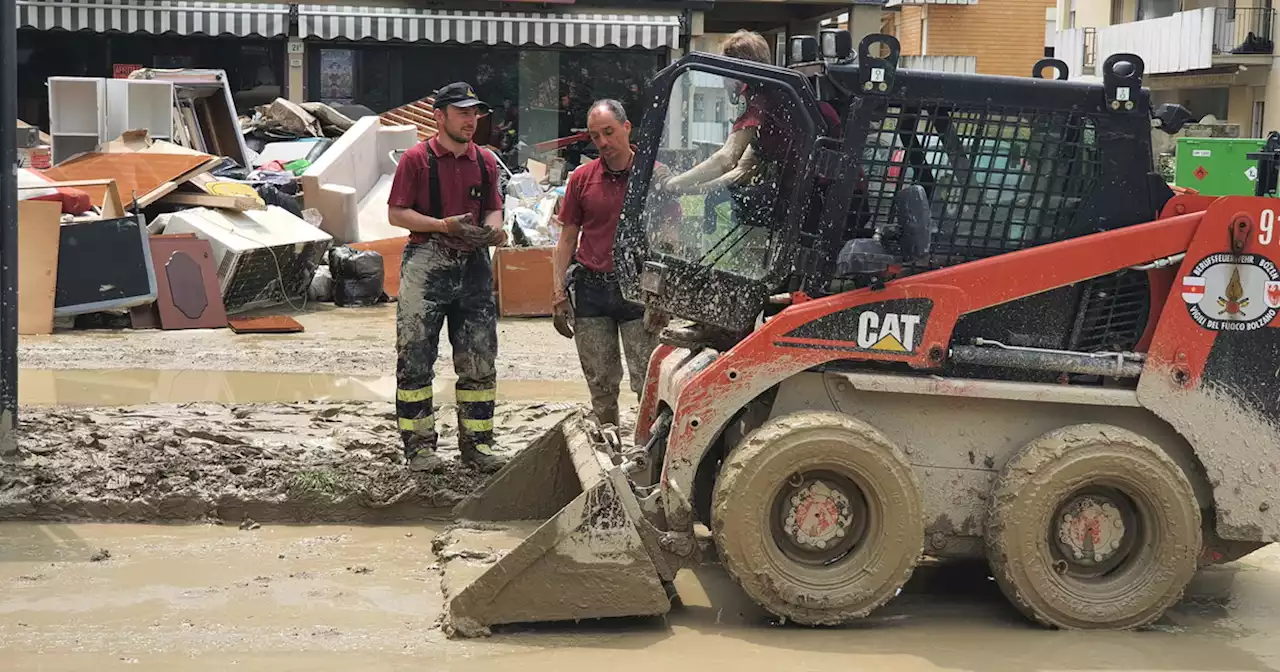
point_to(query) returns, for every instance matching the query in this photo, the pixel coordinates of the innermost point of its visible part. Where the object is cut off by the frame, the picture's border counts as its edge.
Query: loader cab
(714, 252)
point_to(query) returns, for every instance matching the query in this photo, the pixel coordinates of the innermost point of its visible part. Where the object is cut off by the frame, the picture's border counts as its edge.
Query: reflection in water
(130, 387)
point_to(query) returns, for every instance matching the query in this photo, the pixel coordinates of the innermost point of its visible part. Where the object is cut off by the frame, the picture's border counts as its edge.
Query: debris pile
(153, 203)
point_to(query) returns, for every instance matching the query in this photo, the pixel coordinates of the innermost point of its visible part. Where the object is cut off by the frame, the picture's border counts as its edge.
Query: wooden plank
(38, 229)
(240, 203)
(274, 324)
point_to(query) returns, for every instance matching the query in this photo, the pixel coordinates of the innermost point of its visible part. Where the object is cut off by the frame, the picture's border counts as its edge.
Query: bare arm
(493, 220)
(748, 163)
(723, 161)
(412, 220)
(561, 258)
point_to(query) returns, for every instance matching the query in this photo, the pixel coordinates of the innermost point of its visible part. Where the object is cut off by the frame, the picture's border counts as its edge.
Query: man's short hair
(747, 45)
(614, 107)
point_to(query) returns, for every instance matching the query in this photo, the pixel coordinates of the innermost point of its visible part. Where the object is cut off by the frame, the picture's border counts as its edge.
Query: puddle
(131, 387)
(329, 598)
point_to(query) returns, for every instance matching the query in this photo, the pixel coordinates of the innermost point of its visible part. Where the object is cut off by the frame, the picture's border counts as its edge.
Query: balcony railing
(1244, 30)
(1190, 40)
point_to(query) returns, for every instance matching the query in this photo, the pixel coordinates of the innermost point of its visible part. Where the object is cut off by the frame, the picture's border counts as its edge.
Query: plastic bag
(321, 285)
(523, 186)
(357, 276)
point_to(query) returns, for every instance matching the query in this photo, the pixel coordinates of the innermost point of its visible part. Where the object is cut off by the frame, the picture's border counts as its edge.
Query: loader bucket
(556, 535)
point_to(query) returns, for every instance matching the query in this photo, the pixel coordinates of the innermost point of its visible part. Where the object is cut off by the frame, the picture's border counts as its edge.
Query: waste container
(1217, 166)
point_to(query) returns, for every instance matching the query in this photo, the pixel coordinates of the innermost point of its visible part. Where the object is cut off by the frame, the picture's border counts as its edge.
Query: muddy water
(336, 598)
(129, 387)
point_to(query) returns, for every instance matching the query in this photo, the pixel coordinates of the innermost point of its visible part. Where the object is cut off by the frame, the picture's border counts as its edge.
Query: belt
(597, 277)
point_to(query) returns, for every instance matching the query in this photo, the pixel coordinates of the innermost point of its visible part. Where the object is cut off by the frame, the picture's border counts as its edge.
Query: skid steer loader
(977, 325)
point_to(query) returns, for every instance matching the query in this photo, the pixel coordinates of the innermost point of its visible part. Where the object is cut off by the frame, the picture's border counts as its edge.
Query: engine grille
(1114, 313)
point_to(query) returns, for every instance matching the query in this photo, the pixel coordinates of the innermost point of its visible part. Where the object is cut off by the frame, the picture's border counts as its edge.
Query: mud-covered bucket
(556, 535)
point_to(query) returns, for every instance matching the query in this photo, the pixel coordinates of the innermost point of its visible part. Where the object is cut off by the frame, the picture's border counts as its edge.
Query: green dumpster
(1217, 166)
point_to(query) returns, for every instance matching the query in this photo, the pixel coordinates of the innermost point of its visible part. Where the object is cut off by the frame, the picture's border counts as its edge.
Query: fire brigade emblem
(1228, 292)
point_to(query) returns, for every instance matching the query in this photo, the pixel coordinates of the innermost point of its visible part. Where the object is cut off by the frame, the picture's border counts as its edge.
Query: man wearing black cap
(445, 192)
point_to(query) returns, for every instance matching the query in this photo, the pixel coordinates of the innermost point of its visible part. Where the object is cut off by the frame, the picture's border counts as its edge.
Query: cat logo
(888, 332)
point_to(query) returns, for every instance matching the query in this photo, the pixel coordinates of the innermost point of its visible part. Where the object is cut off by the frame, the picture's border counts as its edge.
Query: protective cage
(1007, 163)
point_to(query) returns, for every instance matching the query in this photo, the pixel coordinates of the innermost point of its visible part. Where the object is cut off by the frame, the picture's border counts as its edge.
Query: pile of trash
(196, 215)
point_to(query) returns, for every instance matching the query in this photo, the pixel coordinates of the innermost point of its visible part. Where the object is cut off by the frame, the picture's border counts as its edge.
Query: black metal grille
(1114, 313)
(999, 179)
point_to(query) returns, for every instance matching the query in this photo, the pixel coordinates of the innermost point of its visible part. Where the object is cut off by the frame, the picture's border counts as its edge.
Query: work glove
(496, 237)
(463, 227)
(562, 317)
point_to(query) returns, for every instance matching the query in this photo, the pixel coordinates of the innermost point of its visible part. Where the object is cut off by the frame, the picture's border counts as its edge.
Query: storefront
(539, 70)
(109, 38)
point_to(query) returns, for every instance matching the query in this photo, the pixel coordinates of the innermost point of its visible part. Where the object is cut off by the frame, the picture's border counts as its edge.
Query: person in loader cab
(760, 137)
(583, 265)
(445, 192)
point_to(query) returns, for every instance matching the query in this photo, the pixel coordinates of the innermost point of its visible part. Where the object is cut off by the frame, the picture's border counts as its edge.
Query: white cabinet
(77, 115)
(139, 104)
(87, 111)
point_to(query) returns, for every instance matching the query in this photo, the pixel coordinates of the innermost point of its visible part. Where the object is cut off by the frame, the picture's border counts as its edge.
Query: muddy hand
(457, 225)
(655, 320)
(496, 237)
(562, 318)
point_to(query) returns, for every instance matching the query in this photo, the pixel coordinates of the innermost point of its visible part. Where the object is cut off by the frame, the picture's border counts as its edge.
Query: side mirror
(837, 45)
(804, 49)
(1170, 118)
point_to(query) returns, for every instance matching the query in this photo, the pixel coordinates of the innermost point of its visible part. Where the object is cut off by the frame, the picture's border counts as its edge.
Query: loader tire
(817, 516)
(1093, 527)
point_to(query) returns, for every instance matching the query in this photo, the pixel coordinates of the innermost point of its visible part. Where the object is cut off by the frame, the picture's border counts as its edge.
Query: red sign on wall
(122, 70)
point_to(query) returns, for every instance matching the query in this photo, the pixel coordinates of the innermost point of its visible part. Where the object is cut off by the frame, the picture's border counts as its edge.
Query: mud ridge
(313, 462)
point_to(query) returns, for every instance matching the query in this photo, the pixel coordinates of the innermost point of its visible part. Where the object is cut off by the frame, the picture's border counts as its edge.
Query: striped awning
(183, 17)
(649, 31)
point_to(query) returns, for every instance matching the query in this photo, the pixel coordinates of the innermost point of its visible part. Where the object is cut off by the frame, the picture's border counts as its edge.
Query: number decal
(1268, 226)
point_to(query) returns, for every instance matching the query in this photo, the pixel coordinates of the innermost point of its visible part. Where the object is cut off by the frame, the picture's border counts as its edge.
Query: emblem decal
(1242, 292)
(888, 332)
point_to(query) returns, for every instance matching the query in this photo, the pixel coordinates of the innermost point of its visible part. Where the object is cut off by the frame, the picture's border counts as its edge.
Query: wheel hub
(1091, 530)
(818, 516)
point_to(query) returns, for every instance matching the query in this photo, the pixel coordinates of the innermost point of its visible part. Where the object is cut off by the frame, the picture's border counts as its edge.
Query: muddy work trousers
(438, 285)
(602, 317)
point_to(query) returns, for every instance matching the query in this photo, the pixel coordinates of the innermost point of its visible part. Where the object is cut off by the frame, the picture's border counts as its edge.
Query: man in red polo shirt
(589, 216)
(445, 192)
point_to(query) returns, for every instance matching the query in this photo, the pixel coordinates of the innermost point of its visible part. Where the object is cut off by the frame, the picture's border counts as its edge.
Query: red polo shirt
(460, 191)
(593, 203)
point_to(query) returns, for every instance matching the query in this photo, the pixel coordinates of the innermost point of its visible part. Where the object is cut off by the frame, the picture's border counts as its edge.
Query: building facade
(1215, 57)
(990, 37)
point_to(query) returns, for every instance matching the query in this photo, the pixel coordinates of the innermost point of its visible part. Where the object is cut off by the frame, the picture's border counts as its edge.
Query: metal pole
(8, 228)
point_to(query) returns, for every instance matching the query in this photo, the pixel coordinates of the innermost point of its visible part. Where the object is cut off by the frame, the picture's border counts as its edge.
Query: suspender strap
(434, 185)
(433, 179)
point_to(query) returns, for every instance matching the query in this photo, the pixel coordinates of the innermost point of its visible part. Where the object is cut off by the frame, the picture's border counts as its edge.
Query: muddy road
(278, 598)
(349, 341)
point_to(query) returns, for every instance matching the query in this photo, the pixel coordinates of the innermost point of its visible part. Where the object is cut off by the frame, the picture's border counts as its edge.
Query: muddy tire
(1093, 527)
(817, 516)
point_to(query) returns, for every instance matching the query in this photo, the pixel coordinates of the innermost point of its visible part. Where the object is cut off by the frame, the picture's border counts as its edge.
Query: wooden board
(38, 223)
(392, 251)
(524, 281)
(274, 324)
(187, 292)
(144, 176)
(240, 203)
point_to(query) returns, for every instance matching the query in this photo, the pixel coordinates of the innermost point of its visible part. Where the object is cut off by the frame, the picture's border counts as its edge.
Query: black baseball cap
(459, 94)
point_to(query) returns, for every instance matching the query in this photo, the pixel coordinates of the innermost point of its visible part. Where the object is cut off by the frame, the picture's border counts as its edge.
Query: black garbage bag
(273, 195)
(357, 276)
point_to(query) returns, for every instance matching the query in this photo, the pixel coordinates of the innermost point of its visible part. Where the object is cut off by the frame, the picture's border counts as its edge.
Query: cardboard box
(524, 281)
